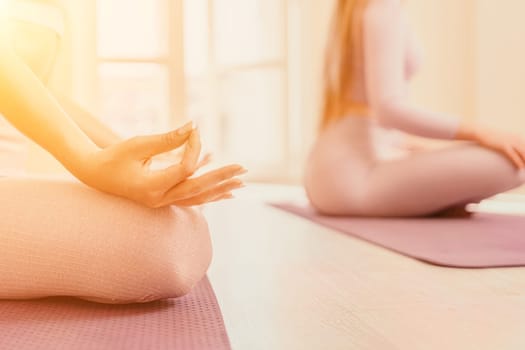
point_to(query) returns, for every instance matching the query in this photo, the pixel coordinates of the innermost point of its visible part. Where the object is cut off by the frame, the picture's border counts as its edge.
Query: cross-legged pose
(371, 56)
(124, 232)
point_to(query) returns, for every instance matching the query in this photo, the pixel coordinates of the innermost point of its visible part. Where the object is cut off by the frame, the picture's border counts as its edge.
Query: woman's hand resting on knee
(509, 144)
(123, 169)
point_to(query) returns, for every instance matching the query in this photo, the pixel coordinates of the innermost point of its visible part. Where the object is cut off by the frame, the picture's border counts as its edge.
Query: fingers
(219, 192)
(521, 159)
(206, 159)
(190, 158)
(165, 179)
(192, 187)
(148, 146)
(517, 158)
(203, 162)
(520, 149)
(213, 186)
(227, 195)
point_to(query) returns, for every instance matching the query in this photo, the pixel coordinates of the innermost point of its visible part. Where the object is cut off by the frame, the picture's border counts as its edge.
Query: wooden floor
(285, 283)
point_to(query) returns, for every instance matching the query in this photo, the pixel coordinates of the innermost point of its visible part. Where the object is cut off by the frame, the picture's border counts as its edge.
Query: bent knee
(173, 254)
(189, 251)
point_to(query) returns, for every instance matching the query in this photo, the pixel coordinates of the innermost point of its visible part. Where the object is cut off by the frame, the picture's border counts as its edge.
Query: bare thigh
(427, 182)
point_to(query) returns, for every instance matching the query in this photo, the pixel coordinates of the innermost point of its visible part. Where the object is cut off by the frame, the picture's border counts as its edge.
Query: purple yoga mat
(483, 240)
(193, 322)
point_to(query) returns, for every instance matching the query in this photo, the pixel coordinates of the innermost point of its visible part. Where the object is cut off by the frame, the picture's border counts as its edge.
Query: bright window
(239, 93)
(131, 29)
(222, 63)
(133, 80)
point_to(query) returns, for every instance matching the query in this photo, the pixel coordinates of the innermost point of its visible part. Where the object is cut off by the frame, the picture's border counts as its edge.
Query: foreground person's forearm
(31, 108)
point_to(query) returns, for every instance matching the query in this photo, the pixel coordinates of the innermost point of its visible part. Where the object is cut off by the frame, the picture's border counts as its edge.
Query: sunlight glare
(3, 12)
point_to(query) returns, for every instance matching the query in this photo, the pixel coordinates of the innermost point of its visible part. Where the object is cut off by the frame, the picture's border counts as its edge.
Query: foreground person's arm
(121, 169)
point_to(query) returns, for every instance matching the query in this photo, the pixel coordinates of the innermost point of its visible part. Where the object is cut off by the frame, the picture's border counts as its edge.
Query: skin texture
(96, 246)
(120, 168)
(133, 236)
(345, 175)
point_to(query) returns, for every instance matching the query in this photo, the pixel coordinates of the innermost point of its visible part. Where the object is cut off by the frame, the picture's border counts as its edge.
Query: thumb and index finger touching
(170, 176)
(151, 145)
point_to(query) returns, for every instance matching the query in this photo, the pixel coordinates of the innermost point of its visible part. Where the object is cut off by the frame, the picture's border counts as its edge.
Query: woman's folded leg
(62, 238)
(428, 182)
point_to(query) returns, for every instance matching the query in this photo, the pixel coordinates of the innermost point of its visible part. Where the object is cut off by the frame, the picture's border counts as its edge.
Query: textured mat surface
(483, 240)
(193, 322)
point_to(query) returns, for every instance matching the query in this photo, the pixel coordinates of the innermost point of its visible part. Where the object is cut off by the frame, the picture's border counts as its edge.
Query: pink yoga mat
(193, 322)
(483, 240)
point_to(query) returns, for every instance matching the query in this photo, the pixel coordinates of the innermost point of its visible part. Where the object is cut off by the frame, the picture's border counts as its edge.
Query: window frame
(172, 60)
(288, 168)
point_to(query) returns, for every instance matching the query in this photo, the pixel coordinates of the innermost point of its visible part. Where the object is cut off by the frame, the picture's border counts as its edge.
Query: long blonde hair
(342, 51)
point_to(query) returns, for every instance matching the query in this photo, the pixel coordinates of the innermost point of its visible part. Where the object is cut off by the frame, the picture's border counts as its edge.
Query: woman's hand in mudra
(123, 169)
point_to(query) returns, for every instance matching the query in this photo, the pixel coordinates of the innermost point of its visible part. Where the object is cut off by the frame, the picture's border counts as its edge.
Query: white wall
(446, 30)
(308, 32)
(500, 52)
(475, 61)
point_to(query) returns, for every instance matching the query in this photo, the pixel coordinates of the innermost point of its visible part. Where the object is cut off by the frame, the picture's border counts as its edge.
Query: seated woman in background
(136, 239)
(370, 58)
